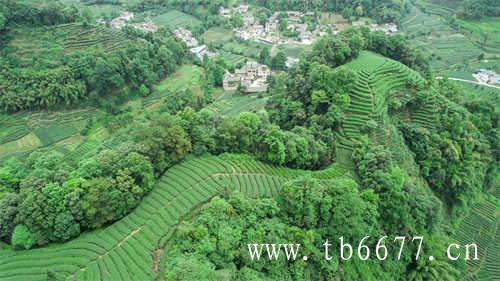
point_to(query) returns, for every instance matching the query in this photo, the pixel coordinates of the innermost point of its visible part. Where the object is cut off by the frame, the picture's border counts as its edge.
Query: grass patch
(188, 76)
(217, 35)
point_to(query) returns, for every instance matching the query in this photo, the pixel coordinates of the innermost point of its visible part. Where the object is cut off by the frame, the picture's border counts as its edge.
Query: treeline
(46, 13)
(101, 2)
(476, 9)
(90, 74)
(380, 10)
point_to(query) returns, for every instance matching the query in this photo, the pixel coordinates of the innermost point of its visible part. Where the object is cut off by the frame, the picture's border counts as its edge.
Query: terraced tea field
(378, 79)
(132, 248)
(24, 132)
(31, 44)
(482, 227)
(486, 33)
(446, 46)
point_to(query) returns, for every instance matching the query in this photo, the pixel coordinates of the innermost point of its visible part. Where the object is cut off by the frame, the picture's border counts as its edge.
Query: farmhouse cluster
(251, 78)
(303, 33)
(123, 19)
(194, 47)
(487, 76)
(269, 32)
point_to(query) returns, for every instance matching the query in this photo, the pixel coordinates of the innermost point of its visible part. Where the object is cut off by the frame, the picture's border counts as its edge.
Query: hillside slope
(131, 249)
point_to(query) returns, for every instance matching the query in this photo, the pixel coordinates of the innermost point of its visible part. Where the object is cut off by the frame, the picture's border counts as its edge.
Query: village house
(271, 26)
(147, 26)
(186, 36)
(252, 78)
(358, 23)
(121, 20)
(269, 34)
(226, 13)
(306, 37)
(386, 28)
(291, 61)
(294, 16)
(242, 9)
(201, 51)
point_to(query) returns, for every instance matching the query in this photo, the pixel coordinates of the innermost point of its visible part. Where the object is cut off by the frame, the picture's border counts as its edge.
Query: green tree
(23, 238)
(279, 60)
(264, 56)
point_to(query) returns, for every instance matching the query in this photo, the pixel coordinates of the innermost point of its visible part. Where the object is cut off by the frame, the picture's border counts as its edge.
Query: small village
(269, 33)
(252, 77)
(124, 19)
(295, 21)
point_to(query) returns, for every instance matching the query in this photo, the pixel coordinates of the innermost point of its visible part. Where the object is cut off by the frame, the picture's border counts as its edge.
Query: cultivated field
(47, 44)
(25, 132)
(446, 46)
(378, 78)
(175, 19)
(186, 77)
(231, 104)
(486, 33)
(132, 248)
(482, 227)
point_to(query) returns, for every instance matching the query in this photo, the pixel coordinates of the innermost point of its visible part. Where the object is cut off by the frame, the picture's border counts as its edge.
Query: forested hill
(51, 57)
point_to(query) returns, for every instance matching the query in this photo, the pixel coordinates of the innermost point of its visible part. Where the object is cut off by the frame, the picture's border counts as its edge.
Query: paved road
(470, 82)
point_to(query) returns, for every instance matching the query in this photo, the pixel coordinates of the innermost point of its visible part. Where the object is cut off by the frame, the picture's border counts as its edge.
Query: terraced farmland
(481, 226)
(447, 46)
(378, 78)
(24, 132)
(79, 37)
(132, 248)
(49, 43)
